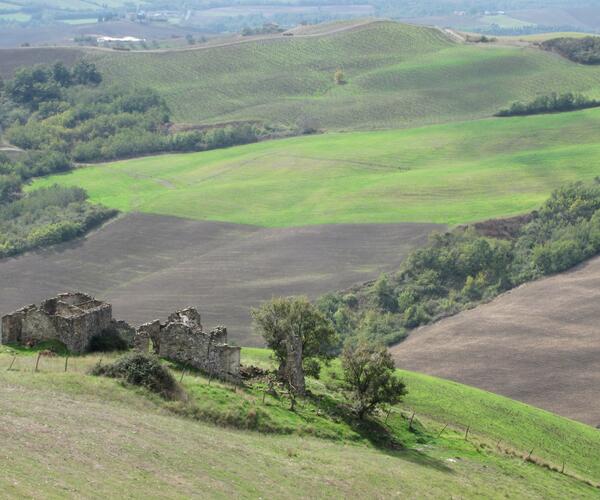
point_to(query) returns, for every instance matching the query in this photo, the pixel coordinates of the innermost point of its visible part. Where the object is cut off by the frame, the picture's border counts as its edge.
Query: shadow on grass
(378, 434)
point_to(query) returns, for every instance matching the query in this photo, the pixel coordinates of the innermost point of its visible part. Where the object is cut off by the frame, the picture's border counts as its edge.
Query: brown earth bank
(149, 265)
(539, 344)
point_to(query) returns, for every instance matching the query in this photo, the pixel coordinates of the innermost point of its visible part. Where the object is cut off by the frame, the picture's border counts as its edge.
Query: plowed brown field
(539, 344)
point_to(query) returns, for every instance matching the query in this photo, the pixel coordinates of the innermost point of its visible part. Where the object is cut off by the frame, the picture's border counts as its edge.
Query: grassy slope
(398, 76)
(98, 439)
(448, 174)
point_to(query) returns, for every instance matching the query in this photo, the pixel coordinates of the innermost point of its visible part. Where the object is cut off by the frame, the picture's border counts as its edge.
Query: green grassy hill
(94, 438)
(397, 76)
(448, 174)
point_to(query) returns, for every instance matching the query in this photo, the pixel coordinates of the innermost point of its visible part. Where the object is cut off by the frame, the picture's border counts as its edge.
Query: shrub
(108, 340)
(142, 370)
(369, 374)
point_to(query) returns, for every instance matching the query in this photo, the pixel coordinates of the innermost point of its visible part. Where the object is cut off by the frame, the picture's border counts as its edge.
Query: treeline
(552, 103)
(584, 50)
(460, 269)
(62, 111)
(45, 216)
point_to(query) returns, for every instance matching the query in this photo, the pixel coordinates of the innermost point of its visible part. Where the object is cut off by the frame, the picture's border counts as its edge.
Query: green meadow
(448, 174)
(396, 76)
(100, 438)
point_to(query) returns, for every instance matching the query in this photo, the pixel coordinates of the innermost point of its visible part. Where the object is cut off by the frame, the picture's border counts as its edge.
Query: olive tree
(299, 334)
(370, 377)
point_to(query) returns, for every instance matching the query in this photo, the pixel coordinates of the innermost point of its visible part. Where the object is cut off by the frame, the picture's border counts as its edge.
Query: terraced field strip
(446, 174)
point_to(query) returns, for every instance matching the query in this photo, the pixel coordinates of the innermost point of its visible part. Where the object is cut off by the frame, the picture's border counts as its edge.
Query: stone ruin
(75, 318)
(71, 318)
(183, 339)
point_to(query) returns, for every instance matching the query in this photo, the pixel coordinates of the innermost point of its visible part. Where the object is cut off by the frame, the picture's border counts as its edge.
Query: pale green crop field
(448, 174)
(397, 76)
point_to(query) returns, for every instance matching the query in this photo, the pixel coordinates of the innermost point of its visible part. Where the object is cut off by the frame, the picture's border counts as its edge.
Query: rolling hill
(446, 174)
(100, 439)
(538, 343)
(397, 75)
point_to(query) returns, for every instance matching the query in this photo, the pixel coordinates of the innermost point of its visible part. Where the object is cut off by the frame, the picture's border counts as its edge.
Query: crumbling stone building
(183, 339)
(71, 318)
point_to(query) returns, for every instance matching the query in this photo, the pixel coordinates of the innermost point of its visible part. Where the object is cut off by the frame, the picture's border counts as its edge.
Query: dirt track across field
(149, 265)
(539, 344)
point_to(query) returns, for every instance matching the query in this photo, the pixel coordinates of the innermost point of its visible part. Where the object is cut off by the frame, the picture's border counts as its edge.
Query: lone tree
(369, 375)
(339, 77)
(299, 335)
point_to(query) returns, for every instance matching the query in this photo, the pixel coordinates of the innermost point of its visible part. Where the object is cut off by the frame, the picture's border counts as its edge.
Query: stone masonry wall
(182, 340)
(72, 319)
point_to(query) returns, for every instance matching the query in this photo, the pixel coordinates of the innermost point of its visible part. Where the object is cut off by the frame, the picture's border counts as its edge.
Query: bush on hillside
(584, 50)
(552, 103)
(142, 370)
(107, 341)
(369, 374)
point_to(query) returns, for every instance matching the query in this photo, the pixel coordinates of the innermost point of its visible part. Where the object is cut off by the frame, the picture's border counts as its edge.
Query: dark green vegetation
(306, 448)
(69, 114)
(553, 103)
(44, 217)
(584, 50)
(141, 370)
(53, 214)
(281, 319)
(370, 378)
(460, 269)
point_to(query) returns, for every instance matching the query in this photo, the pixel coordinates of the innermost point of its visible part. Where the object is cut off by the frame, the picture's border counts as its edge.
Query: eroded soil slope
(149, 265)
(539, 344)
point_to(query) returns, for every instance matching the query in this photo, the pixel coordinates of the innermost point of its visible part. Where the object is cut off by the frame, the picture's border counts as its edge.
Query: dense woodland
(460, 269)
(582, 50)
(553, 103)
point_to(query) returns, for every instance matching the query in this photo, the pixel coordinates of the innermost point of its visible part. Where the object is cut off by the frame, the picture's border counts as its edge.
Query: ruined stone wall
(146, 333)
(37, 326)
(182, 340)
(58, 319)
(197, 349)
(12, 327)
(86, 326)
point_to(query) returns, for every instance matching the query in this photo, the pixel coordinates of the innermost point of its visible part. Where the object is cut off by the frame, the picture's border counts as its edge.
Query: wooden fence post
(441, 432)
(66, 363)
(37, 361)
(411, 420)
